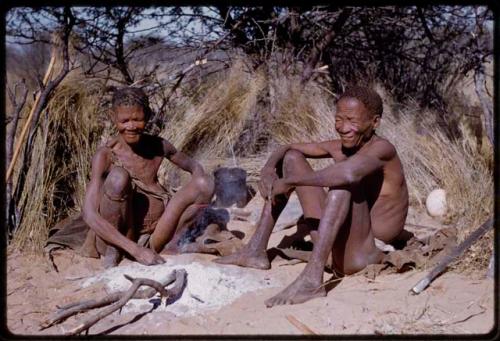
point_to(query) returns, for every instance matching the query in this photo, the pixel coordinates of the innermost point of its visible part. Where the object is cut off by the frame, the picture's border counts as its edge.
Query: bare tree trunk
(320, 47)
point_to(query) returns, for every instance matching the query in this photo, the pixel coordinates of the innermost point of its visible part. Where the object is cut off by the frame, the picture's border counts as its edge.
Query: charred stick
(179, 284)
(456, 252)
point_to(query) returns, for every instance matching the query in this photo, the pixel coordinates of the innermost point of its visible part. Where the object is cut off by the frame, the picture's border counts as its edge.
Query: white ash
(209, 287)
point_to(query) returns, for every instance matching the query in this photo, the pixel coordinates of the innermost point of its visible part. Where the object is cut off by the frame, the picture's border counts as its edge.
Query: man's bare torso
(385, 190)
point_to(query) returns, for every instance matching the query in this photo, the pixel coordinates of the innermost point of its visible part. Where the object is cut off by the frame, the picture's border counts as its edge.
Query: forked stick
(119, 299)
(77, 307)
(456, 252)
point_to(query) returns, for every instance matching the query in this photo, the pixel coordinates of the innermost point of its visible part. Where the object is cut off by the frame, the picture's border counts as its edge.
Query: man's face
(354, 123)
(130, 120)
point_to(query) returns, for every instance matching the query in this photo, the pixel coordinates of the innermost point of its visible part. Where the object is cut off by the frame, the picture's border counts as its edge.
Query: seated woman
(125, 206)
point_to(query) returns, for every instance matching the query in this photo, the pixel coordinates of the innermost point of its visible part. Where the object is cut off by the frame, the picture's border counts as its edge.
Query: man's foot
(300, 291)
(246, 258)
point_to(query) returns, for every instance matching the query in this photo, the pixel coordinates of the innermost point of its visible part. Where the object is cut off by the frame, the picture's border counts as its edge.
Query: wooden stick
(48, 73)
(456, 252)
(74, 308)
(136, 283)
(300, 326)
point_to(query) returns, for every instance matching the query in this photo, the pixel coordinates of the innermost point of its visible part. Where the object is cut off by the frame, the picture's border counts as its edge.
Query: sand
(229, 300)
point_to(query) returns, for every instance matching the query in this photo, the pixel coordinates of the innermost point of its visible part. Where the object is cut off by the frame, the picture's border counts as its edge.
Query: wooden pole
(30, 116)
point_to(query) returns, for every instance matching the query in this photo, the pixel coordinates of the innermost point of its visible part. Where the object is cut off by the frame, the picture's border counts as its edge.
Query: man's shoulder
(383, 147)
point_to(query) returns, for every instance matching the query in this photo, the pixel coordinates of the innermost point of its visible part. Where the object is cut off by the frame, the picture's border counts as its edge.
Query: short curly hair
(129, 96)
(369, 97)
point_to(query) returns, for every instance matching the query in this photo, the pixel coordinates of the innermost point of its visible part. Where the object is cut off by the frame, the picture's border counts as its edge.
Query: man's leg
(345, 231)
(114, 207)
(308, 284)
(311, 199)
(180, 212)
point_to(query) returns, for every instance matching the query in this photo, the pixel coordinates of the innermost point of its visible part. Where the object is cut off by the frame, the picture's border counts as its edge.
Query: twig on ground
(116, 301)
(332, 281)
(300, 326)
(448, 322)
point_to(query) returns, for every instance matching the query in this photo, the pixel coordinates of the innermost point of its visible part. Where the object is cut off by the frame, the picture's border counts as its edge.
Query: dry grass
(66, 140)
(432, 160)
(249, 112)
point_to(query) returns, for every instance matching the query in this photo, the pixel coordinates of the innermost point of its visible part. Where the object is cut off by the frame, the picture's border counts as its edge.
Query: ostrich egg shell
(436, 203)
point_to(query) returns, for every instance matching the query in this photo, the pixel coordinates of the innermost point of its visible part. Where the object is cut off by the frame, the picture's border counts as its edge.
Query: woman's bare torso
(142, 166)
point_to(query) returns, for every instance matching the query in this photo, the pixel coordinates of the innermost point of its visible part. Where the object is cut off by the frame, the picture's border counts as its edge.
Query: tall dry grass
(237, 118)
(67, 137)
(433, 160)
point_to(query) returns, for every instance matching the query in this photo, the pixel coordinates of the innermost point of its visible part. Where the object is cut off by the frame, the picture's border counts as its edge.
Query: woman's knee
(117, 183)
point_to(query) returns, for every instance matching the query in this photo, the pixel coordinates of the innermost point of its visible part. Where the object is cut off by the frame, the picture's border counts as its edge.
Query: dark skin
(367, 198)
(116, 214)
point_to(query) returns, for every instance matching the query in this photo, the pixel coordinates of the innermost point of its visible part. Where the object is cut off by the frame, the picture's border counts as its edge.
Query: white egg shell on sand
(436, 203)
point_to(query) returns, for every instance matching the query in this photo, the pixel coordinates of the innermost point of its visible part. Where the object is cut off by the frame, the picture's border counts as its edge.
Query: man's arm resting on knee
(92, 218)
(346, 172)
(310, 150)
(268, 174)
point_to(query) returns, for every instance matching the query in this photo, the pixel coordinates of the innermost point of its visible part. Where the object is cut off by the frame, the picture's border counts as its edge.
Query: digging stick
(456, 252)
(30, 116)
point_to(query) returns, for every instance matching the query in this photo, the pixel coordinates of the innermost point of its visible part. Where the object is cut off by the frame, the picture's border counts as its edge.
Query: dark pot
(230, 187)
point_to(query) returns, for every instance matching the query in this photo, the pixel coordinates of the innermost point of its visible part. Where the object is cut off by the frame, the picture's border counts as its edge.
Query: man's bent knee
(117, 184)
(204, 185)
(291, 157)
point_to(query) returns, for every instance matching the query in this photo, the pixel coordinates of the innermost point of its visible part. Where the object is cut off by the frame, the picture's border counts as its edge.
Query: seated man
(367, 197)
(125, 201)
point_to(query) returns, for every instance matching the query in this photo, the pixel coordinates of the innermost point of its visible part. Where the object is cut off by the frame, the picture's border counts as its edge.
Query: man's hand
(267, 177)
(148, 257)
(280, 187)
